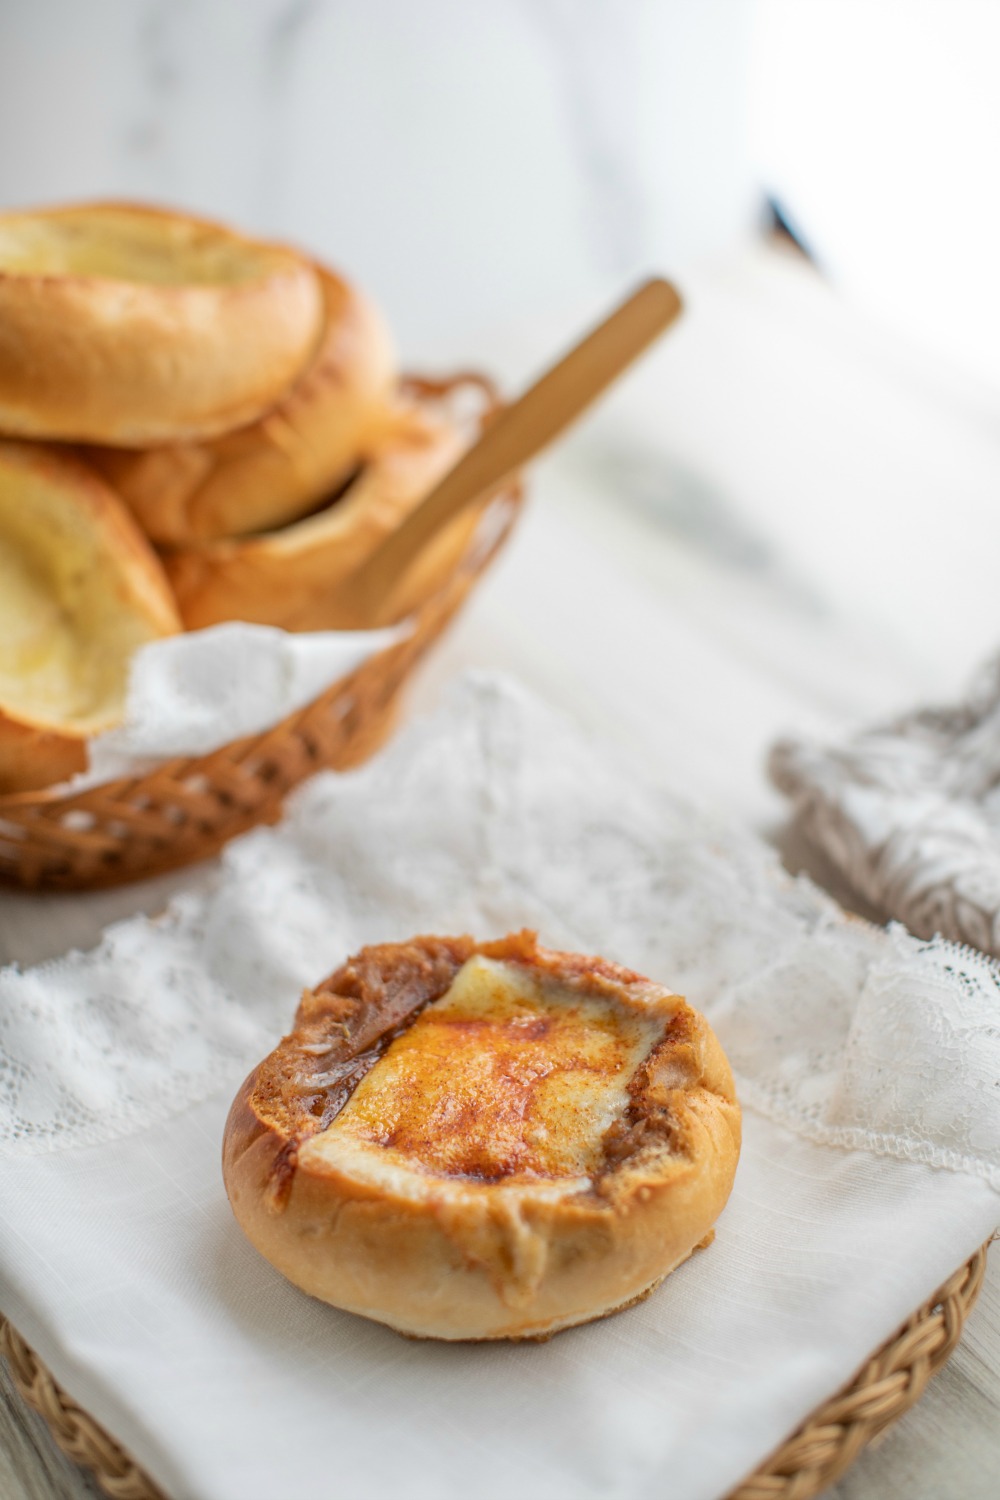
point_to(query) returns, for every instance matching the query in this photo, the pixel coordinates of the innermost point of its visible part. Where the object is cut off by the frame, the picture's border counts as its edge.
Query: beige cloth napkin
(870, 1171)
(909, 813)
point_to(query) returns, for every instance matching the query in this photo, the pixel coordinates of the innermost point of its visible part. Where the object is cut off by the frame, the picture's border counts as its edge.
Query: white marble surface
(473, 162)
(468, 162)
(663, 591)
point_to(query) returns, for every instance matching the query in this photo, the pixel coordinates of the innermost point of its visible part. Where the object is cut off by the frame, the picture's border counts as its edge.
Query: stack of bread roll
(194, 427)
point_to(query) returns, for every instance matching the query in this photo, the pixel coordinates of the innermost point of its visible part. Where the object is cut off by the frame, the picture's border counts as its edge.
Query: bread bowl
(80, 590)
(483, 1140)
(131, 325)
(274, 470)
(286, 577)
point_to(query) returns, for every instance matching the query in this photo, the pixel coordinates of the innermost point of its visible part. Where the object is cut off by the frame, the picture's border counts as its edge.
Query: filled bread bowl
(80, 590)
(287, 577)
(484, 1141)
(275, 469)
(129, 325)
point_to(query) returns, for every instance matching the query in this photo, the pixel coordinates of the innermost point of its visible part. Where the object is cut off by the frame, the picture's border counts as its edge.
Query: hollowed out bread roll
(128, 325)
(287, 577)
(80, 590)
(277, 468)
(484, 1141)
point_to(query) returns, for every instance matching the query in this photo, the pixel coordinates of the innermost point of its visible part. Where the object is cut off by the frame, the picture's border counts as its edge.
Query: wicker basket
(186, 809)
(815, 1456)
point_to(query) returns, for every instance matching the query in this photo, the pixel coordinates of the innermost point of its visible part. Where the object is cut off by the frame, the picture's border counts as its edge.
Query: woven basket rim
(820, 1450)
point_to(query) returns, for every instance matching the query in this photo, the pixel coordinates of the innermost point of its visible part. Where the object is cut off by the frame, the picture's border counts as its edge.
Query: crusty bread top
(134, 243)
(270, 472)
(130, 325)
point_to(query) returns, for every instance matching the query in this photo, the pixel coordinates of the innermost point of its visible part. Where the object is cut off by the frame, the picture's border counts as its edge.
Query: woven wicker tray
(815, 1456)
(186, 809)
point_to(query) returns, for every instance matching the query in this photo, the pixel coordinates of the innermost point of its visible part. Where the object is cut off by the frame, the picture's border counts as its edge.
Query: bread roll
(287, 577)
(128, 325)
(484, 1141)
(276, 469)
(80, 590)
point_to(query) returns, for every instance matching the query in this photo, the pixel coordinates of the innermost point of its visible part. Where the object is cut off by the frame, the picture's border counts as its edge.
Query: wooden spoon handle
(524, 429)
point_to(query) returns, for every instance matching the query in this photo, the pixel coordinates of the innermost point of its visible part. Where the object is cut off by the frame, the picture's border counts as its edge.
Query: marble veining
(469, 164)
(593, 65)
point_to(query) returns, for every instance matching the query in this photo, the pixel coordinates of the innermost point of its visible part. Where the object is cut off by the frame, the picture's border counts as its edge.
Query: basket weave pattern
(78, 1435)
(820, 1451)
(187, 808)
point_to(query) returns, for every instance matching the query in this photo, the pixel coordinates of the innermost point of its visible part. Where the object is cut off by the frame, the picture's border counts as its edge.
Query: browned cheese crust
(130, 325)
(483, 1240)
(274, 470)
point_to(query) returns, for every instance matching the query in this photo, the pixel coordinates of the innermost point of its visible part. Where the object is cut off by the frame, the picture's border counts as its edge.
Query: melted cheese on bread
(508, 1077)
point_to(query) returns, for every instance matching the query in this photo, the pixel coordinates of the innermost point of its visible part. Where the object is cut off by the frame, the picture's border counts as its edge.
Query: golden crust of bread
(484, 1141)
(130, 325)
(80, 590)
(286, 577)
(274, 470)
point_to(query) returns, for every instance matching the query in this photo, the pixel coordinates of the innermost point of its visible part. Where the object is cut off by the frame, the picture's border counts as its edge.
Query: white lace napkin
(909, 812)
(867, 1064)
(189, 694)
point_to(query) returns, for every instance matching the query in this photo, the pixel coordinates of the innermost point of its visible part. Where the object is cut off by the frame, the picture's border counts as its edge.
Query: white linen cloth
(867, 1065)
(190, 694)
(909, 813)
